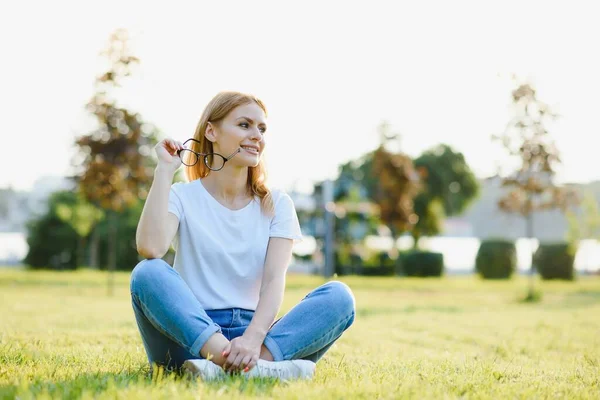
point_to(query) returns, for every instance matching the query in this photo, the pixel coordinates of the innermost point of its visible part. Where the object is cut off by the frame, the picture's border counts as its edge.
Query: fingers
(230, 363)
(227, 365)
(179, 147)
(235, 365)
(245, 362)
(226, 350)
(228, 356)
(173, 145)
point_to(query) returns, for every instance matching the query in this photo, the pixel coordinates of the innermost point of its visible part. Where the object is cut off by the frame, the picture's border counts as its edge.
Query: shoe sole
(194, 371)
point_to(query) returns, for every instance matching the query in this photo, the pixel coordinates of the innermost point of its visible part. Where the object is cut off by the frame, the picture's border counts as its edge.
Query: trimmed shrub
(52, 242)
(496, 259)
(555, 261)
(382, 270)
(380, 264)
(422, 263)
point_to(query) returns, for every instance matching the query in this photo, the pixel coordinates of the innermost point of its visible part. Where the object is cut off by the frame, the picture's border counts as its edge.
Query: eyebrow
(251, 120)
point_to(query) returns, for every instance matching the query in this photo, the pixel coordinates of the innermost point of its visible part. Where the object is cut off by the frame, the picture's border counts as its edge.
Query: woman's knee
(147, 272)
(342, 297)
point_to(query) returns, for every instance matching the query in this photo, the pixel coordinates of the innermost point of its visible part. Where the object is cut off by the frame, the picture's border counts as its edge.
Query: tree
(449, 186)
(355, 214)
(397, 184)
(82, 216)
(430, 216)
(531, 186)
(126, 247)
(378, 187)
(116, 170)
(52, 242)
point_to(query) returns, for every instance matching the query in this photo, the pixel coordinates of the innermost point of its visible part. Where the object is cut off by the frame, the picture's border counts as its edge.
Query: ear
(210, 133)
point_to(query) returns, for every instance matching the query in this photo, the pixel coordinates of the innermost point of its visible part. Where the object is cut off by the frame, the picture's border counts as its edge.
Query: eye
(262, 129)
(244, 125)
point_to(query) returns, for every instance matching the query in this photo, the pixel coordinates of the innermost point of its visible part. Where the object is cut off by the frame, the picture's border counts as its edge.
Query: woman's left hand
(242, 354)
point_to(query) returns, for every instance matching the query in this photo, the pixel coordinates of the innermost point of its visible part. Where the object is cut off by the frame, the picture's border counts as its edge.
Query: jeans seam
(146, 311)
(233, 318)
(345, 320)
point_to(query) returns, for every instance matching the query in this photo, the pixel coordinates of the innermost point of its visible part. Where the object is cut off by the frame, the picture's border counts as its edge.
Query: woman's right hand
(166, 151)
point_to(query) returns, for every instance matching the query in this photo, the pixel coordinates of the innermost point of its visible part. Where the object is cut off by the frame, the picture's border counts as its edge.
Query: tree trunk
(94, 244)
(529, 222)
(416, 237)
(80, 251)
(398, 267)
(112, 250)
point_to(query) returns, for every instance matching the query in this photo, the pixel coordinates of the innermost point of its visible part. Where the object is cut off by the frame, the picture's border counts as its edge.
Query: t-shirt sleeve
(285, 223)
(175, 206)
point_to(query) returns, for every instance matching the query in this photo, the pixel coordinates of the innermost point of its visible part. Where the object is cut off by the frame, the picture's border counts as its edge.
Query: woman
(213, 313)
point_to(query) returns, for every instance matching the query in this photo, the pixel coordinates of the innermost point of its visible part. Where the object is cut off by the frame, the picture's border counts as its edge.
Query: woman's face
(244, 129)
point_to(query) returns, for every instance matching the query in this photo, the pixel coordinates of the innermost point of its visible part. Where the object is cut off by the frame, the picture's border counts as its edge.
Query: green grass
(61, 336)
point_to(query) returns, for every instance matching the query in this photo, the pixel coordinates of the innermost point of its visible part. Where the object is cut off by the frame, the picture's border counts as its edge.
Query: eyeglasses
(213, 161)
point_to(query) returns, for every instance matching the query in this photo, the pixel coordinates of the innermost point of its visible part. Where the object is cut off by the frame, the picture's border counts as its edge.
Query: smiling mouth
(250, 150)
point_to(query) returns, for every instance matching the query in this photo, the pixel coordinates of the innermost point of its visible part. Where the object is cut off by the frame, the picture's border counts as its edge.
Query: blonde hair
(215, 111)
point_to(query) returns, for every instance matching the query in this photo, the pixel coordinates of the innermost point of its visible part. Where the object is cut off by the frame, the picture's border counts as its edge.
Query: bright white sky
(329, 73)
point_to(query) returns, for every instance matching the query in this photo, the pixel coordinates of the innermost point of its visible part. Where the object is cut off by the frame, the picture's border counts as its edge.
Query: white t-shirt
(219, 252)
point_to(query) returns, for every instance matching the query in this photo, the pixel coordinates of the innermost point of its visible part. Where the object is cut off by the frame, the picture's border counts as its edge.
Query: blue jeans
(174, 327)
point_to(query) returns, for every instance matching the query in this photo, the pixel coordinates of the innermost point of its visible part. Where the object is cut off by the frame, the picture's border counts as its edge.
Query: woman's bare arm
(157, 226)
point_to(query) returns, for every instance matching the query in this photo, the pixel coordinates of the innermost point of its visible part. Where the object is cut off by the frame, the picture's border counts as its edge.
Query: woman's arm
(279, 254)
(157, 226)
(244, 351)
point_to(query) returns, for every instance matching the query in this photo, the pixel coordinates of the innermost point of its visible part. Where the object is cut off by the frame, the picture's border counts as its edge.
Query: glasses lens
(188, 157)
(214, 161)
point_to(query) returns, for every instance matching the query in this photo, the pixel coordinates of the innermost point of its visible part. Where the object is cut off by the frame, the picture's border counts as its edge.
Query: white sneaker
(284, 370)
(207, 370)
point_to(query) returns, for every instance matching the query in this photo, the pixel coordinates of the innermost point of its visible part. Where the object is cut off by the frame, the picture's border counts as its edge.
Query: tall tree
(82, 216)
(380, 184)
(396, 185)
(449, 186)
(116, 170)
(531, 186)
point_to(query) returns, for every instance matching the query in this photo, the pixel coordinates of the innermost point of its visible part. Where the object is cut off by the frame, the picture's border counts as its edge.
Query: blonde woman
(214, 311)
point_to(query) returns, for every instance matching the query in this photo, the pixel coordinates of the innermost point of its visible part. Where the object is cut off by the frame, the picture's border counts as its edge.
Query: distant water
(459, 252)
(13, 248)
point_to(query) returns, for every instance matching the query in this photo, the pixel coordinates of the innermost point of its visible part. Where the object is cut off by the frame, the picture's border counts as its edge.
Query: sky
(329, 72)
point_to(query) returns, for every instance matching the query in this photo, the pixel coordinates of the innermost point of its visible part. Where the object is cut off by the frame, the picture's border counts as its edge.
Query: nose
(256, 135)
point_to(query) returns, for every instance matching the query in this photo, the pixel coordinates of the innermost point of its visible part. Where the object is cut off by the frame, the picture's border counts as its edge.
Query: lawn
(61, 336)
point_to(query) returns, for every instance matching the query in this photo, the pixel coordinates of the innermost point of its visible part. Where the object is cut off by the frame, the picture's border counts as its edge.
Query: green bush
(52, 242)
(380, 264)
(496, 259)
(381, 270)
(555, 261)
(422, 263)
